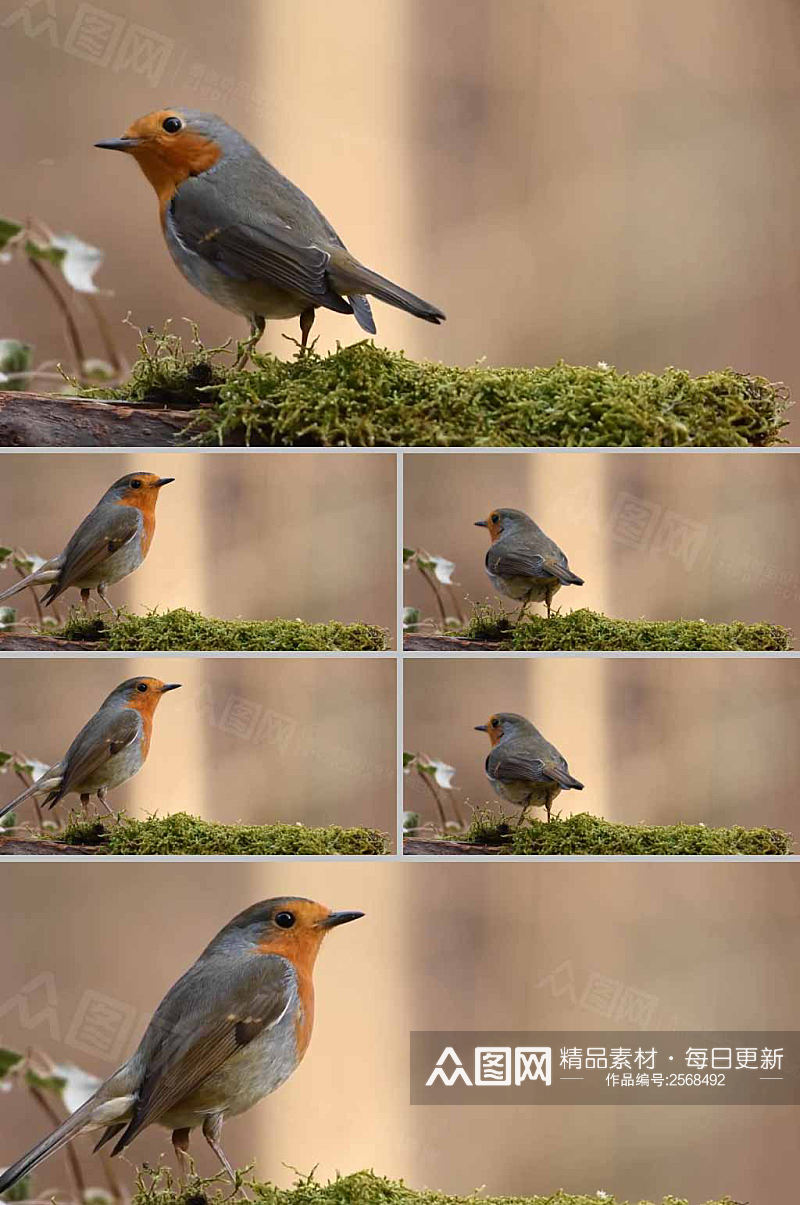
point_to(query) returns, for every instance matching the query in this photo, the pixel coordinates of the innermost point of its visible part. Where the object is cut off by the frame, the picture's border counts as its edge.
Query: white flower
(80, 262)
(443, 774)
(443, 569)
(79, 1086)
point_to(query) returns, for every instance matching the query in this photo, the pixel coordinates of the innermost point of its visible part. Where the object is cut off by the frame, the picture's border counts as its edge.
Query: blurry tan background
(472, 946)
(659, 741)
(609, 180)
(278, 739)
(700, 537)
(257, 536)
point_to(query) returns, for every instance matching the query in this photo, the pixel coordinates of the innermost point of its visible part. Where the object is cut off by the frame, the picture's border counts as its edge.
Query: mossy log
(40, 420)
(417, 847)
(182, 630)
(591, 631)
(361, 1188)
(11, 643)
(419, 643)
(181, 834)
(366, 396)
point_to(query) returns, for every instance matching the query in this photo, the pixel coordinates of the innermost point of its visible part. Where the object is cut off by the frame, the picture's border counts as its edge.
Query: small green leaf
(410, 821)
(5, 553)
(21, 1191)
(15, 357)
(408, 554)
(8, 617)
(53, 255)
(407, 758)
(8, 230)
(411, 618)
(8, 1060)
(45, 1083)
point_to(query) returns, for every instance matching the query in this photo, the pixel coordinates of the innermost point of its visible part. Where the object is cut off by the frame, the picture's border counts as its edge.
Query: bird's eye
(172, 124)
(284, 920)
(142, 686)
(495, 723)
(495, 518)
(136, 485)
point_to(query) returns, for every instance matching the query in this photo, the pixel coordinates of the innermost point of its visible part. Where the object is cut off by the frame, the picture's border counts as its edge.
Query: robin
(522, 562)
(110, 543)
(108, 750)
(230, 1031)
(244, 235)
(523, 767)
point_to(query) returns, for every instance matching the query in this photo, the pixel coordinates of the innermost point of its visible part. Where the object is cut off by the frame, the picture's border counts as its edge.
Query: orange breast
(302, 953)
(147, 509)
(145, 709)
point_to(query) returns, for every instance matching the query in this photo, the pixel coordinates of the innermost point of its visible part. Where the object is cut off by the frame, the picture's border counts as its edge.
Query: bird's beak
(481, 727)
(119, 144)
(481, 523)
(163, 481)
(338, 918)
(169, 686)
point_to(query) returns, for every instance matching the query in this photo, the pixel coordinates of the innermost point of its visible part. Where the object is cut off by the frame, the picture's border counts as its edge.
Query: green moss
(593, 836)
(187, 630)
(362, 1188)
(365, 396)
(183, 834)
(591, 630)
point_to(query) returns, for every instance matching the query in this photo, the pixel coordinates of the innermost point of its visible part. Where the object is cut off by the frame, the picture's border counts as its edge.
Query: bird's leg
(85, 600)
(212, 1132)
(257, 327)
(548, 804)
(523, 814)
(306, 322)
(101, 590)
(518, 620)
(180, 1143)
(102, 795)
(548, 598)
(85, 801)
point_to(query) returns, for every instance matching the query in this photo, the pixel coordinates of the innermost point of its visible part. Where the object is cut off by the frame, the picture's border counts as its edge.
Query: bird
(230, 1031)
(522, 766)
(110, 543)
(522, 562)
(246, 236)
(108, 750)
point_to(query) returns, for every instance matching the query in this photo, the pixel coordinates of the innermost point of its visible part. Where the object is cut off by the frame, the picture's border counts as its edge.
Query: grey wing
(201, 1023)
(513, 562)
(245, 250)
(106, 734)
(97, 537)
(514, 767)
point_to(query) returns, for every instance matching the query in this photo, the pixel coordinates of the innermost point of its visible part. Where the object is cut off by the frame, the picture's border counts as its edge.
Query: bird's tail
(353, 279)
(47, 1146)
(562, 777)
(44, 575)
(566, 576)
(42, 784)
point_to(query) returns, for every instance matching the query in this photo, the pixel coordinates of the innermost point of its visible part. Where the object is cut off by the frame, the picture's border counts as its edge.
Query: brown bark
(35, 420)
(9, 643)
(416, 846)
(449, 644)
(10, 846)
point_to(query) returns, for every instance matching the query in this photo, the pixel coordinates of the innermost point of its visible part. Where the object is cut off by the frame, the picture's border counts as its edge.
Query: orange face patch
(493, 525)
(494, 729)
(144, 499)
(168, 159)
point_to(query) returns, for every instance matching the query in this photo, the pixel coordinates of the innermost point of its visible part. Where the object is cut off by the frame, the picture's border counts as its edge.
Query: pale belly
(525, 793)
(118, 565)
(527, 589)
(114, 772)
(255, 1072)
(247, 297)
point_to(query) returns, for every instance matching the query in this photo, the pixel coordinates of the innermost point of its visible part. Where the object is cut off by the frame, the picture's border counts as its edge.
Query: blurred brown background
(659, 741)
(700, 537)
(477, 946)
(595, 181)
(251, 741)
(257, 536)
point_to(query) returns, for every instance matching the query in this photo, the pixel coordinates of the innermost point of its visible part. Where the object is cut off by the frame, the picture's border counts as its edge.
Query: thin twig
(72, 327)
(72, 1159)
(432, 583)
(107, 336)
(426, 778)
(36, 603)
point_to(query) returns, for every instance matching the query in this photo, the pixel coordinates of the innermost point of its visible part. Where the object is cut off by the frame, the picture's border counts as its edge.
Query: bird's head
(142, 694)
(504, 520)
(288, 925)
(137, 489)
(504, 723)
(172, 144)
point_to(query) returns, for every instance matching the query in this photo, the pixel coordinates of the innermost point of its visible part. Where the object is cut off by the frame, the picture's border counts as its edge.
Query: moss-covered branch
(586, 630)
(364, 396)
(592, 836)
(363, 1188)
(184, 834)
(185, 631)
